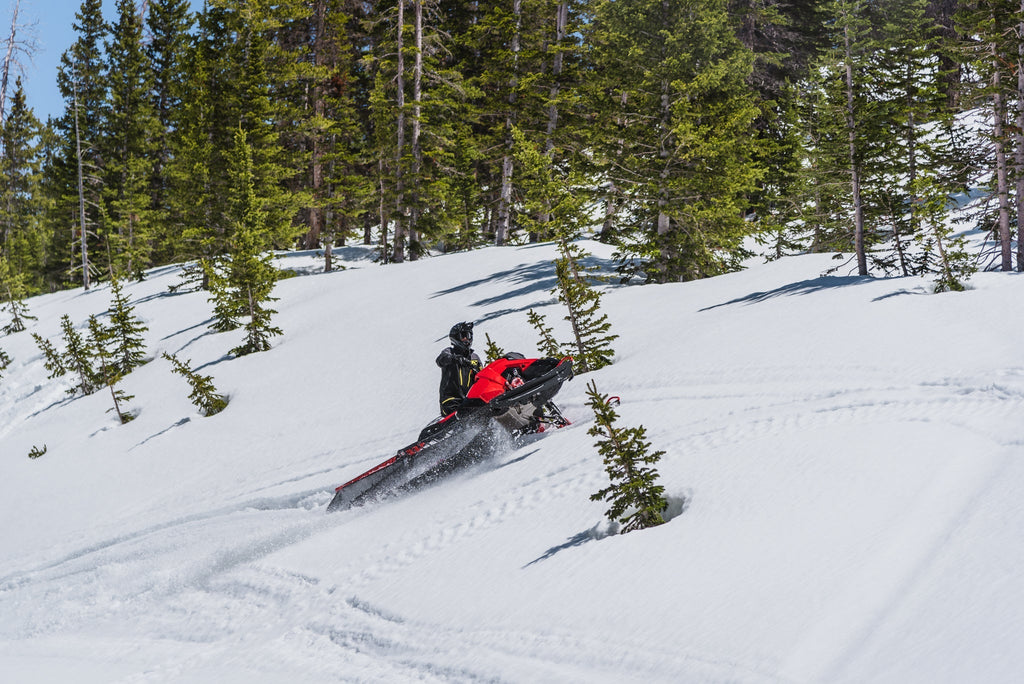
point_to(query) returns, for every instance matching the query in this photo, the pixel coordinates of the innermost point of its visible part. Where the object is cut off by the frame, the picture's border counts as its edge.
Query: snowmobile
(510, 398)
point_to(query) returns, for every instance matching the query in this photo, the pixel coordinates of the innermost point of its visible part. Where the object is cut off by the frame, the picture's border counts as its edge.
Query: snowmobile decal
(469, 434)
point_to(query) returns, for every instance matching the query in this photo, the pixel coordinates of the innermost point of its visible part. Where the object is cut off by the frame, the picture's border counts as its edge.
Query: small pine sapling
(78, 358)
(944, 253)
(225, 308)
(12, 286)
(251, 274)
(36, 452)
(492, 350)
(54, 362)
(548, 345)
(204, 395)
(109, 373)
(590, 329)
(125, 331)
(637, 501)
(5, 361)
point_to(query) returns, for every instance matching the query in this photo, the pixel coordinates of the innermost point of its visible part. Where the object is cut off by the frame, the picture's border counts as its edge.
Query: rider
(458, 366)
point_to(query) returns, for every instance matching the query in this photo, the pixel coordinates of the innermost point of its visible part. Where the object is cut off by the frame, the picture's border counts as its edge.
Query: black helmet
(461, 337)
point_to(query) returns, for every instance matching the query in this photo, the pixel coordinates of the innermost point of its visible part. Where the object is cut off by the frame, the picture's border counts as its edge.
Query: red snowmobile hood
(493, 379)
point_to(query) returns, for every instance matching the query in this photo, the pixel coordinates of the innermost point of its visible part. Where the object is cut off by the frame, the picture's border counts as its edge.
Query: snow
(842, 463)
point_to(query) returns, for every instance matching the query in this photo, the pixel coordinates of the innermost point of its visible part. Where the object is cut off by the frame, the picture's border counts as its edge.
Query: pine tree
(492, 350)
(226, 309)
(108, 374)
(125, 332)
(674, 133)
(79, 169)
(195, 226)
(637, 501)
(77, 358)
(590, 328)
(169, 24)
(128, 145)
(53, 361)
(991, 47)
(22, 202)
(36, 452)
(204, 395)
(5, 362)
(250, 274)
(548, 345)
(943, 253)
(13, 290)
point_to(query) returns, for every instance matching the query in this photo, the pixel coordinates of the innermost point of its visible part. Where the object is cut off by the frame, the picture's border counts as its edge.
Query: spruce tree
(131, 127)
(78, 357)
(126, 332)
(169, 24)
(79, 169)
(52, 359)
(590, 328)
(637, 501)
(108, 372)
(943, 253)
(674, 133)
(548, 345)
(13, 290)
(204, 395)
(22, 202)
(250, 273)
(492, 351)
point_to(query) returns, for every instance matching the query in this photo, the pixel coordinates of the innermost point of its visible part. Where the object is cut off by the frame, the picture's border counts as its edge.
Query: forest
(675, 130)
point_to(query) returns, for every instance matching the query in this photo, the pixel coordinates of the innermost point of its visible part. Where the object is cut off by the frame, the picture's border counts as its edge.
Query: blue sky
(50, 23)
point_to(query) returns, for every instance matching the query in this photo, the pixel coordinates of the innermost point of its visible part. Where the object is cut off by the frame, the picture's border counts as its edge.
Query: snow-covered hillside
(843, 458)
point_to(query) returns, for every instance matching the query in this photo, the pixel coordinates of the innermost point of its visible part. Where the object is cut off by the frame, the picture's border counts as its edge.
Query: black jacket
(457, 374)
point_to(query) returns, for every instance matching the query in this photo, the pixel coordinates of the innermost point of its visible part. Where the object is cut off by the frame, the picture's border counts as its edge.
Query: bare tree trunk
(9, 59)
(398, 253)
(81, 194)
(851, 128)
(1002, 184)
(383, 213)
(1020, 140)
(557, 66)
(417, 151)
(316, 211)
(504, 227)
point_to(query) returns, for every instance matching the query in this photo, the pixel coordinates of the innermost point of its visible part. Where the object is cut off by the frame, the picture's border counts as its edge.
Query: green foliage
(78, 358)
(204, 395)
(492, 350)
(5, 361)
(53, 362)
(637, 501)
(942, 252)
(13, 289)
(674, 133)
(109, 374)
(36, 452)
(590, 328)
(23, 240)
(696, 124)
(250, 273)
(548, 345)
(126, 331)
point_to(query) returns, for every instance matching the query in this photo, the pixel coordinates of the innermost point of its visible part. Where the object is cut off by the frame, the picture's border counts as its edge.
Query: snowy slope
(843, 464)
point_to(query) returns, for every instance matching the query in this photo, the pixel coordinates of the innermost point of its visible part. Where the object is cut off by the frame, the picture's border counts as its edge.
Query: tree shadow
(571, 543)
(803, 287)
